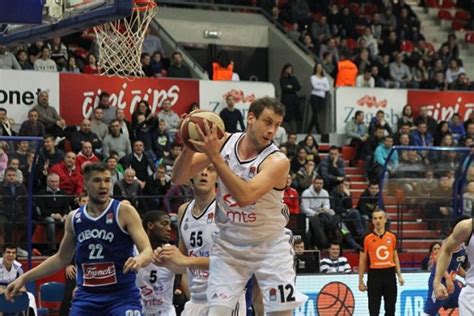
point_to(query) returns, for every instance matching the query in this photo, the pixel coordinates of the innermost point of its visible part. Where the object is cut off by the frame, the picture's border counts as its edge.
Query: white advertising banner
(338, 294)
(369, 100)
(212, 94)
(18, 91)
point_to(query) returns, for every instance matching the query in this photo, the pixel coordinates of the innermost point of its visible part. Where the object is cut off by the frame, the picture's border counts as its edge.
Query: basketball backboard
(56, 18)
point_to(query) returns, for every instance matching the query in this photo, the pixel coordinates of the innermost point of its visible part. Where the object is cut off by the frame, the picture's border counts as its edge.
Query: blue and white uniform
(466, 298)
(102, 248)
(432, 305)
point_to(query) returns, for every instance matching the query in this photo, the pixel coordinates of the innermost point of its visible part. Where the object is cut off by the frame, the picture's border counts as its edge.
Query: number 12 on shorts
(285, 293)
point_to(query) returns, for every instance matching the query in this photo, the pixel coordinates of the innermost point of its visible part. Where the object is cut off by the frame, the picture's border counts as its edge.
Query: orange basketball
(188, 128)
(335, 298)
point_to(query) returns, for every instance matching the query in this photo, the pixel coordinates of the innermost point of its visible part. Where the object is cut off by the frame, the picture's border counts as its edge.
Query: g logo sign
(382, 253)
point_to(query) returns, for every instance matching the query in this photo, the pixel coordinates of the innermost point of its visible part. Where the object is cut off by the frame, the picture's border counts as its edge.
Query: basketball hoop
(120, 42)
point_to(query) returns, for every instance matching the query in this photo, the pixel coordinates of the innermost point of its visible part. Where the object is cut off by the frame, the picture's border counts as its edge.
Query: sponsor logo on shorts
(99, 274)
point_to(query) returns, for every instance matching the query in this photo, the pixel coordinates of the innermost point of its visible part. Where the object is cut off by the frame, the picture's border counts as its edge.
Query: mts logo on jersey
(236, 214)
(99, 274)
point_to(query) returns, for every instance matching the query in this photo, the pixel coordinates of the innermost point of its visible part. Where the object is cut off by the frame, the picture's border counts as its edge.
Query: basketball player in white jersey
(156, 283)
(196, 227)
(462, 233)
(250, 214)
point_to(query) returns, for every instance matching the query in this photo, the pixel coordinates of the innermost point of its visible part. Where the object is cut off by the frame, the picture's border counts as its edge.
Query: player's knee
(220, 311)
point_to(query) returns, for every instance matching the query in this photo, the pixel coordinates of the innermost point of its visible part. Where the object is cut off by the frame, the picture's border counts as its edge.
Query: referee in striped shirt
(335, 263)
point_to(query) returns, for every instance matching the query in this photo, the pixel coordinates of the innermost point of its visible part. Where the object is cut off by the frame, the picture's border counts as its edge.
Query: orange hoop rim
(144, 5)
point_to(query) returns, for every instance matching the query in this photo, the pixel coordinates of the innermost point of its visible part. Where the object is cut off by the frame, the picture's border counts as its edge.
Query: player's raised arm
(59, 260)
(460, 234)
(131, 221)
(187, 164)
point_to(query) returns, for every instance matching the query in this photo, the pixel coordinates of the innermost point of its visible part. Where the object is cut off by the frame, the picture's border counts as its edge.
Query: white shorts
(465, 301)
(202, 309)
(161, 312)
(232, 266)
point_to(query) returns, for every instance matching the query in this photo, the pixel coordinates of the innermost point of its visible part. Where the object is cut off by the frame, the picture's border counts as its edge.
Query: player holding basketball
(156, 283)
(250, 214)
(197, 225)
(102, 233)
(432, 304)
(462, 233)
(380, 248)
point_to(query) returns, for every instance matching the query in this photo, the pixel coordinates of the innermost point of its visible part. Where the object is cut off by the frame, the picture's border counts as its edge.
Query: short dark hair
(152, 216)
(111, 157)
(318, 177)
(9, 245)
(388, 137)
(373, 182)
(261, 104)
(333, 148)
(3, 110)
(46, 136)
(94, 167)
(335, 243)
(176, 53)
(103, 94)
(298, 241)
(456, 114)
(357, 113)
(32, 110)
(380, 111)
(10, 169)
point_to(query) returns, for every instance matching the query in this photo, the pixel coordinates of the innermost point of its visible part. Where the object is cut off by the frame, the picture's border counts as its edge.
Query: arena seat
(370, 9)
(445, 15)
(458, 25)
(432, 3)
(50, 296)
(448, 4)
(407, 46)
(354, 7)
(469, 38)
(462, 15)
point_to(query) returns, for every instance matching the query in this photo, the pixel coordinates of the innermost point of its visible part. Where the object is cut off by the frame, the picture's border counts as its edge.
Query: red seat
(469, 38)
(370, 9)
(342, 3)
(429, 46)
(448, 4)
(407, 46)
(354, 7)
(444, 15)
(351, 43)
(432, 3)
(458, 25)
(462, 15)
(360, 29)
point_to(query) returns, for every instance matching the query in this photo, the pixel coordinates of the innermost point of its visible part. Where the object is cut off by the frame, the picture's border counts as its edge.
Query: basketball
(335, 298)
(188, 128)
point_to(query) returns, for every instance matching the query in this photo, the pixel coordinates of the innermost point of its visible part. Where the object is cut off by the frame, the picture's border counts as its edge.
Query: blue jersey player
(102, 233)
(432, 304)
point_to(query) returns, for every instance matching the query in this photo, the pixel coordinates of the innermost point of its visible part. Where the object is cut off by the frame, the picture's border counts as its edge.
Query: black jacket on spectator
(56, 202)
(123, 190)
(179, 72)
(430, 122)
(140, 166)
(161, 143)
(78, 137)
(340, 202)
(368, 203)
(231, 118)
(28, 129)
(13, 201)
(289, 87)
(157, 190)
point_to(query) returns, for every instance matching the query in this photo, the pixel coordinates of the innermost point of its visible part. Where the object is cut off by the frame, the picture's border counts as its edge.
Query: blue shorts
(125, 302)
(433, 305)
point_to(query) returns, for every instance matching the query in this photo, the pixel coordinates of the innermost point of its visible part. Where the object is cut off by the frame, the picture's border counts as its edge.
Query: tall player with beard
(156, 283)
(103, 233)
(196, 227)
(250, 214)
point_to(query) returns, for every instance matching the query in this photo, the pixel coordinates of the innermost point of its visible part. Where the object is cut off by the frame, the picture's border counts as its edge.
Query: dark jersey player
(102, 233)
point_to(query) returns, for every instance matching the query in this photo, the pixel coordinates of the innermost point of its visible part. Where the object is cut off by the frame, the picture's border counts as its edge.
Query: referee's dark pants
(382, 282)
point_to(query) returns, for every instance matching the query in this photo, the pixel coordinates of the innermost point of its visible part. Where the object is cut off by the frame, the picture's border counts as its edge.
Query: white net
(120, 42)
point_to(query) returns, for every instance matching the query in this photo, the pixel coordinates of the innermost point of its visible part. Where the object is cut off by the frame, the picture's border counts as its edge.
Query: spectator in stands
(346, 71)
(32, 127)
(421, 136)
(45, 63)
(53, 123)
(371, 42)
(70, 177)
(144, 130)
(346, 24)
(91, 67)
(111, 162)
(3, 156)
(59, 52)
(311, 146)
(98, 127)
(52, 207)
(34, 51)
(462, 83)
(370, 146)
(439, 208)
(335, 263)
(291, 146)
(391, 45)
(330, 47)
(456, 127)
(21, 154)
(379, 121)
(145, 60)
(315, 204)
(71, 66)
(420, 74)
(341, 203)
(85, 156)
(12, 205)
(304, 176)
(468, 199)
(177, 195)
(381, 156)
(156, 65)
(300, 261)
(469, 133)
(454, 70)
(309, 44)
(426, 118)
(49, 155)
(162, 142)
(125, 126)
(379, 82)
(222, 68)
(143, 108)
(85, 134)
(177, 69)
(14, 163)
(319, 87)
(290, 86)
(22, 58)
(129, 188)
(438, 82)
(168, 161)
(232, 116)
(139, 161)
(400, 73)
(407, 117)
(442, 130)
(299, 160)
(320, 31)
(291, 197)
(332, 169)
(369, 200)
(429, 261)
(398, 137)
(152, 44)
(109, 111)
(469, 120)
(7, 59)
(404, 24)
(279, 136)
(5, 124)
(388, 21)
(156, 187)
(358, 133)
(362, 60)
(170, 117)
(115, 141)
(328, 64)
(452, 46)
(365, 80)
